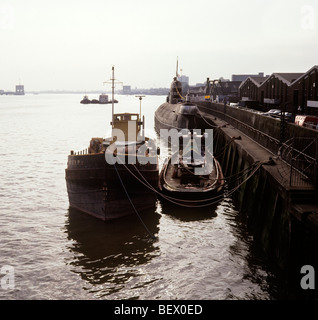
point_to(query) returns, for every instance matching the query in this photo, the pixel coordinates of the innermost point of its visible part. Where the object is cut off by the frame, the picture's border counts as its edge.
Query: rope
(171, 199)
(207, 122)
(226, 146)
(180, 94)
(122, 183)
(177, 201)
(166, 124)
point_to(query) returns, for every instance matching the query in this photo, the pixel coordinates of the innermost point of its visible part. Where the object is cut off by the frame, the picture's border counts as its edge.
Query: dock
(281, 199)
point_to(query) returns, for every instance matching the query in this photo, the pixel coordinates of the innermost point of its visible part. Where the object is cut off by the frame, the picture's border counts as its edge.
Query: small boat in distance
(103, 99)
(85, 100)
(195, 179)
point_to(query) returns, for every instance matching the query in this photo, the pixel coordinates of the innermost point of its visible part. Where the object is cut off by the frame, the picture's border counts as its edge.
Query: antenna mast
(140, 98)
(113, 93)
(177, 69)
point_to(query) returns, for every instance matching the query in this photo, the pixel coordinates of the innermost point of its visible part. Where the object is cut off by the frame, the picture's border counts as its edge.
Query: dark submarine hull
(179, 116)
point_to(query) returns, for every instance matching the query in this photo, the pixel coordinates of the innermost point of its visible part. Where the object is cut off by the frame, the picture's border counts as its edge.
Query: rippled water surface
(59, 253)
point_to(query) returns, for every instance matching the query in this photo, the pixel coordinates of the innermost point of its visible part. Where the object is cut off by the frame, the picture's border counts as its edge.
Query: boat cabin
(128, 123)
(103, 98)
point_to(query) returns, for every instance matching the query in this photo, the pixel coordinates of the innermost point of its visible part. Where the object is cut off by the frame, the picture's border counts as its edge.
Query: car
(273, 113)
(307, 121)
(288, 117)
(277, 114)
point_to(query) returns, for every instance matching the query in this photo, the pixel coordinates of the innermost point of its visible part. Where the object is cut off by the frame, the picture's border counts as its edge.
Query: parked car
(289, 117)
(277, 113)
(307, 121)
(273, 113)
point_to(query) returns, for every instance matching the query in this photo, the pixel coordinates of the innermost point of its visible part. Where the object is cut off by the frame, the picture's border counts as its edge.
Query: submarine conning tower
(175, 95)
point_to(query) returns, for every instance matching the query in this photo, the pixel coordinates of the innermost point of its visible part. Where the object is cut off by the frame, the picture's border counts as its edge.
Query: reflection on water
(102, 249)
(198, 253)
(188, 214)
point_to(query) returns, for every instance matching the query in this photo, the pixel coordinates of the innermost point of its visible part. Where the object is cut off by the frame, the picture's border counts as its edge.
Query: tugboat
(116, 176)
(192, 176)
(85, 100)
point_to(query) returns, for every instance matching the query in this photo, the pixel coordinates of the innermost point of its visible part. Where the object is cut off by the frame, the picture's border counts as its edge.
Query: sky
(72, 45)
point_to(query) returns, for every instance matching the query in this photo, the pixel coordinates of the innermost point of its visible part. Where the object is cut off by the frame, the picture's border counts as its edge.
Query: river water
(57, 253)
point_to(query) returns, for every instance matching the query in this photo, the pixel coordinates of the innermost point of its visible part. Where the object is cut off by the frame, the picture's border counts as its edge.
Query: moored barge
(116, 176)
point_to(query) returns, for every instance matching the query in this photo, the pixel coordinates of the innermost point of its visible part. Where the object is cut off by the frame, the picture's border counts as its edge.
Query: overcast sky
(66, 44)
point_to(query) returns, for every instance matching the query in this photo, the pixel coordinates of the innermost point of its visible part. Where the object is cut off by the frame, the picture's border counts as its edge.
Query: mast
(113, 93)
(143, 119)
(177, 69)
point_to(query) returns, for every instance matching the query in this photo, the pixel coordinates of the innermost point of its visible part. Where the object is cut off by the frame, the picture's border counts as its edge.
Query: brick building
(293, 92)
(304, 92)
(275, 90)
(249, 91)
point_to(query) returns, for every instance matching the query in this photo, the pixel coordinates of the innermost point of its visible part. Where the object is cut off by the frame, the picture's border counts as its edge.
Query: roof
(308, 72)
(256, 80)
(287, 78)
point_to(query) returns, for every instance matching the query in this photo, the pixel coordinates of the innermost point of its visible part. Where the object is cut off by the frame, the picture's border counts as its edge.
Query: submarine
(178, 112)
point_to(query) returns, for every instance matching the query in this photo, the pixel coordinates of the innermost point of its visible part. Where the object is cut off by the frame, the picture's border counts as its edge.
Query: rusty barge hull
(98, 189)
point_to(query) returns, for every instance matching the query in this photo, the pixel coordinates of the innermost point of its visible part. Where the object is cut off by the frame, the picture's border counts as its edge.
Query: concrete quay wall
(283, 226)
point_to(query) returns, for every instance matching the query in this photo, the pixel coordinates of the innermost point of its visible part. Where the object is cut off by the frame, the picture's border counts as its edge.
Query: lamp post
(283, 123)
(140, 98)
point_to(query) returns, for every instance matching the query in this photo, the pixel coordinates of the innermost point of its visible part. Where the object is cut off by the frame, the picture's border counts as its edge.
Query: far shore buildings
(292, 92)
(19, 90)
(243, 77)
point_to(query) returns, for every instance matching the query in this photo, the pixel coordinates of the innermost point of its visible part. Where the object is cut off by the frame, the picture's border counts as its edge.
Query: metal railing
(301, 154)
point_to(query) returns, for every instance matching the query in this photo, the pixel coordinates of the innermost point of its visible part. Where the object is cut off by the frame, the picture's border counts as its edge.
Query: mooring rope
(183, 98)
(147, 184)
(123, 185)
(171, 199)
(226, 146)
(207, 122)
(214, 200)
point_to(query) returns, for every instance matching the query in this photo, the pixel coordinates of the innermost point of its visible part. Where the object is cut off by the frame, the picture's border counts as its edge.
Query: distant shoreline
(158, 92)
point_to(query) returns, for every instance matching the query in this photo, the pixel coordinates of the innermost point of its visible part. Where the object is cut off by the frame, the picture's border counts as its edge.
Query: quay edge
(283, 219)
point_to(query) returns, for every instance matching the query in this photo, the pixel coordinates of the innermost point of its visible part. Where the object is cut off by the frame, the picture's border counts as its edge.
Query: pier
(280, 199)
